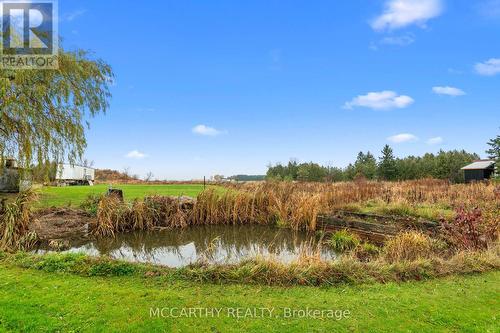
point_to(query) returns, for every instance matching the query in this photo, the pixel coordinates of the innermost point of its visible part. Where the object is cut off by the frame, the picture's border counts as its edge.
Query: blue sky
(226, 87)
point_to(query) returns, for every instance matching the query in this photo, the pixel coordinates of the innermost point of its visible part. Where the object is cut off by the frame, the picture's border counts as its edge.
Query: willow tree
(44, 112)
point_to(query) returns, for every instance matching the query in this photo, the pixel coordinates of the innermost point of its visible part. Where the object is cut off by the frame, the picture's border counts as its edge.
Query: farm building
(479, 170)
(68, 174)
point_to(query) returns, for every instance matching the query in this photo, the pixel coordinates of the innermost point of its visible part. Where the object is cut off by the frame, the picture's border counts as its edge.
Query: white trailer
(68, 174)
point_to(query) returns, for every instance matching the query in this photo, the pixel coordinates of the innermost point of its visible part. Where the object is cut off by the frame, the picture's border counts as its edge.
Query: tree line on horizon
(443, 165)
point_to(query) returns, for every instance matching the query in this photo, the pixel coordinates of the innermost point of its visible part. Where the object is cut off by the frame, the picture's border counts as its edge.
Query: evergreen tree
(293, 169)
(365, 165)
(387, 164)
(494, 153)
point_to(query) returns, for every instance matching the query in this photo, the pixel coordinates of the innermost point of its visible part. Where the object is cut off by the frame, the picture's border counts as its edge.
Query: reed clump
(232, 207)
(114, 215)
(15, 219)
(297, 205)
(408, 246)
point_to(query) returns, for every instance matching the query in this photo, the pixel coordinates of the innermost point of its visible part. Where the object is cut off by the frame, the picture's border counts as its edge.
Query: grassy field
(32, 300)
(74, 195)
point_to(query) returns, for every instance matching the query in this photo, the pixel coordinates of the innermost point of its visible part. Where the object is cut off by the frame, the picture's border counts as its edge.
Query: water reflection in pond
(215, 244)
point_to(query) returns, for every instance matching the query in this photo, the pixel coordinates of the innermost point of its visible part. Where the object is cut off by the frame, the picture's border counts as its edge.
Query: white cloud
(401, 13)
(398, 40)
(446, 90)
(403, 137)
(135, 154)
(382, 100)
(206, 130)
(435, 141)
(490, 67)
(403, 40)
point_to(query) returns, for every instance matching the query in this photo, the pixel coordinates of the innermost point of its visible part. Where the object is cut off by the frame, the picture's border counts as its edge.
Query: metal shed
(479, 170)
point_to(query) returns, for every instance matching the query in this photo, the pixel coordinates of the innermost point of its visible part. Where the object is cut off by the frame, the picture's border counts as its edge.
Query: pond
(212, 243)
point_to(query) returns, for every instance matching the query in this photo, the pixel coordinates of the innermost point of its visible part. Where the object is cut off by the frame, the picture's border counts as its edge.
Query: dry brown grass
(15, 218)
(312, 271)
(306, 270)
(152, 212)
(408, 246)
(296, 205)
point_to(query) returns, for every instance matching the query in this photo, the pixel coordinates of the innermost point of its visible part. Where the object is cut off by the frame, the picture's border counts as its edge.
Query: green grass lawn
(32, 300)
(74, 195)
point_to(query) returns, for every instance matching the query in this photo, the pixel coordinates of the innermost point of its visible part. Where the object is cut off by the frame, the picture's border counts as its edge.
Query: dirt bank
(61, 224)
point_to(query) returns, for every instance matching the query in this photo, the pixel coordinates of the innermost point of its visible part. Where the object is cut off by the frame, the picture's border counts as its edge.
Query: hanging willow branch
(43, 113)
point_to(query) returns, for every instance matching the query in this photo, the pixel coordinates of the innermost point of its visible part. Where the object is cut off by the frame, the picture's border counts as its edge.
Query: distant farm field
(74, 195)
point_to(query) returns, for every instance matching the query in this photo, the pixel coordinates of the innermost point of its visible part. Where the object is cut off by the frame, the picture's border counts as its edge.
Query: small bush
(91, 203)
(343, 241)
(408, 246)
(467, 230)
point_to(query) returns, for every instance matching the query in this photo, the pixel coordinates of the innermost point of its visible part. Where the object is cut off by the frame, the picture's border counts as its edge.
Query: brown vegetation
(113, 215)
(15, 219)
(344, 270)
(108, 176)
(297, 205)
(468, 241)
(408, 246)
(113, 176)
(307, 270)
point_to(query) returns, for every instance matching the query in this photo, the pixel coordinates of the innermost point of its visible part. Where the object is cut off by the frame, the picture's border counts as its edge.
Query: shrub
(343, 241)
(467, 231)
(91, 203)
(408, 246)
